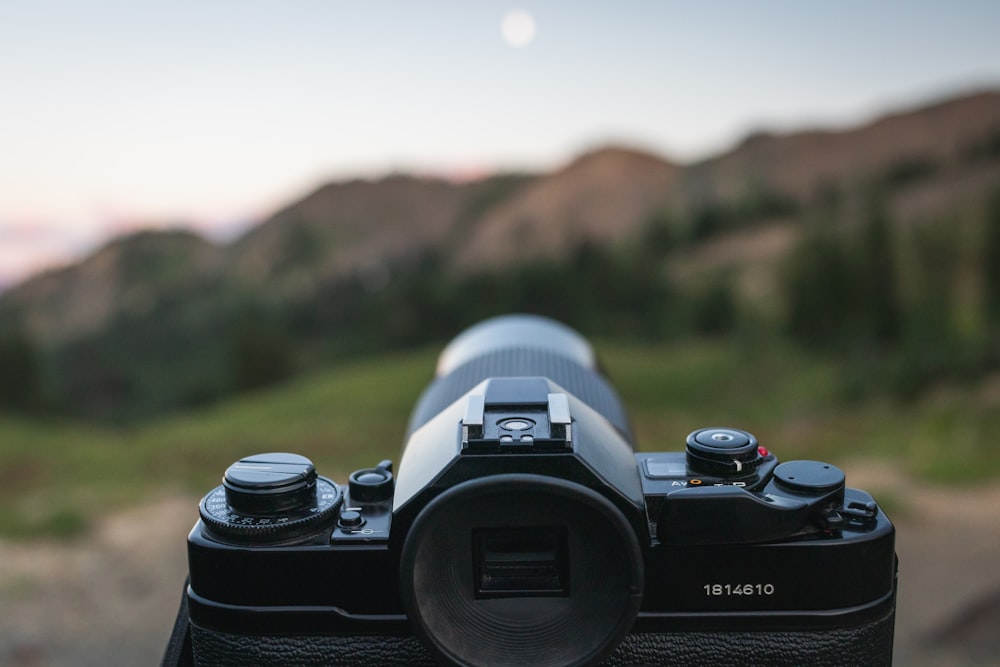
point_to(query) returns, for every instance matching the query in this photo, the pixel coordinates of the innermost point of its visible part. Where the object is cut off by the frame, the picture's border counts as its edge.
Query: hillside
(347, 228)
(616, 242)
(801, 164)
(602, 197)
(124, 277)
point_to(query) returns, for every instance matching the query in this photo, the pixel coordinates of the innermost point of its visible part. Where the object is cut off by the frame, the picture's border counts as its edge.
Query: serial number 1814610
(714, 590)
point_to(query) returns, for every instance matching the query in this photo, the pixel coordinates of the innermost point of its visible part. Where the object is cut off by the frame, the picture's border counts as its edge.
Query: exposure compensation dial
(268, 498)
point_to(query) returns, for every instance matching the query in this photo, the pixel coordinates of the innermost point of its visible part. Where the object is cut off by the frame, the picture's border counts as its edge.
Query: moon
(518, 28)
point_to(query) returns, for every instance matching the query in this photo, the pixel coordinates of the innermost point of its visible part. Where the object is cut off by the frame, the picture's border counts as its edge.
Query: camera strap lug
(863, 512)
(854, 512)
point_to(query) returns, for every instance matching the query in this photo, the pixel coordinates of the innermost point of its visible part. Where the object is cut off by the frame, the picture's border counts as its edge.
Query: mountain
(346, 227)
(799, 164)
(400, 259)
(124, 277)
(602, 197)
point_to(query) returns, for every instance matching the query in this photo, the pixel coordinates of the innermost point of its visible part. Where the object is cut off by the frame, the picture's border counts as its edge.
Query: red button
(763, 451)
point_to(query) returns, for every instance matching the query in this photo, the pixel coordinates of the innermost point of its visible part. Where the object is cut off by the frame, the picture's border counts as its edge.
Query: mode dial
(270, 498)
(723, 451)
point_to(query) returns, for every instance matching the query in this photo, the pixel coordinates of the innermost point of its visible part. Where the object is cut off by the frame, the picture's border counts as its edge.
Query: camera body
(522, 527)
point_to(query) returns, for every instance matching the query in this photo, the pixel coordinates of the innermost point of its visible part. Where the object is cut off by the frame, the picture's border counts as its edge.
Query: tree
(260, 356)
(19, 371)
(819, 287)
(878, 294)
(714, 310)
(991, 264)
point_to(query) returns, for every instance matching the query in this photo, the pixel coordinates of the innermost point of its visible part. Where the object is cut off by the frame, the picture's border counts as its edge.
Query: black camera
(522, 528)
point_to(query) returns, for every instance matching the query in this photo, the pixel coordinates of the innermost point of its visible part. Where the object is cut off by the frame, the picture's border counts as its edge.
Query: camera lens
(504, 559)
(520, 346)
(512, 331)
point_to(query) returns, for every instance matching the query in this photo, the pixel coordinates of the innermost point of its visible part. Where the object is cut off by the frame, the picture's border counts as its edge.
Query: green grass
(343, 419)
(56, 478)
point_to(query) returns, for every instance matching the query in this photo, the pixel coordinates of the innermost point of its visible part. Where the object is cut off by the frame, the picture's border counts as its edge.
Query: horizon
(122, 118)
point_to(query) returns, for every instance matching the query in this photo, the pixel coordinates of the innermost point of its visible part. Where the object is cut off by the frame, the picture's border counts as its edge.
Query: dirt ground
(110, 599)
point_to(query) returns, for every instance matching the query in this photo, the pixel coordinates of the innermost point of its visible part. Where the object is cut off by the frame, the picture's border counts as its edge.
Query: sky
(120, 115)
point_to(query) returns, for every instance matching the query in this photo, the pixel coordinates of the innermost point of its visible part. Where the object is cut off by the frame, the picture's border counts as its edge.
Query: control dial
(268, 498)
(723, 451)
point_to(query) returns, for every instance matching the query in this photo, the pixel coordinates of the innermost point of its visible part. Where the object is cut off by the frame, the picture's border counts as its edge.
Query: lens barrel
(520, 346)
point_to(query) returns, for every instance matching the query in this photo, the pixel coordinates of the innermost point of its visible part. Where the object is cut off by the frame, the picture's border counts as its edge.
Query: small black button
(351, 519)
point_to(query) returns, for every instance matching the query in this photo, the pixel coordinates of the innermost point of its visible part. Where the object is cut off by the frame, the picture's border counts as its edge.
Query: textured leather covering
(869, 644)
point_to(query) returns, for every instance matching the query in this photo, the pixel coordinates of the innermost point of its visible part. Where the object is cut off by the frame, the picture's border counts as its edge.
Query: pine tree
(19, 371)
(819, 288)
(878, 294)
(991, 265)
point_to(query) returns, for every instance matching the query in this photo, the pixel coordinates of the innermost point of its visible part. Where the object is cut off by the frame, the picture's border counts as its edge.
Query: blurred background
(245, 227)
